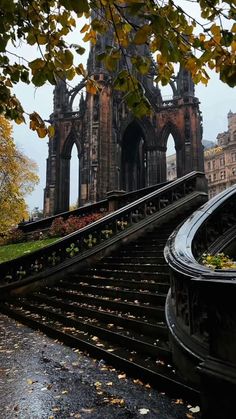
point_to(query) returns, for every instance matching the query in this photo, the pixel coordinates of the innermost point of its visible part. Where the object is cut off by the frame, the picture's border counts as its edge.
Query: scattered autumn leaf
(179, 401)
(117, 401)
(143, 411)
(195, 409)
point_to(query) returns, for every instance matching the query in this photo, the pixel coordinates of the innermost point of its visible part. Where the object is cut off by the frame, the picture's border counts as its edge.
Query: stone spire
(60, 96)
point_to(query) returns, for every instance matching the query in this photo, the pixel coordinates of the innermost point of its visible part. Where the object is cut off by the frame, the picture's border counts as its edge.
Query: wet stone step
(139, 253)
(88, 336)
(115, 304)
(129, 274)
(116, 334)
(139, 259)
(153, 286)
(114, 292)
(140, 267)
(155, 371)
(141, 324)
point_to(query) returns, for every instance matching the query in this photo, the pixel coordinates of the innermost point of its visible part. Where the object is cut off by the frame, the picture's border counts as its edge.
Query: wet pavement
(40, 378)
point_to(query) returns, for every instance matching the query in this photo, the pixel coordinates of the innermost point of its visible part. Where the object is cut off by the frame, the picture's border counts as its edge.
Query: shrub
(218, 261)
(15, 235)
(62, 227)
(37, 235)
(57, 228)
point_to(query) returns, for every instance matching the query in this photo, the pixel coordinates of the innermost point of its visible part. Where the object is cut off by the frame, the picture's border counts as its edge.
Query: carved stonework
(115, 150)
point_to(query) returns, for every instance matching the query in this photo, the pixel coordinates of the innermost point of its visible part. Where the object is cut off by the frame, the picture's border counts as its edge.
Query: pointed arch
(144, 124)
(170, 129)
(133, 157)
(71, 139)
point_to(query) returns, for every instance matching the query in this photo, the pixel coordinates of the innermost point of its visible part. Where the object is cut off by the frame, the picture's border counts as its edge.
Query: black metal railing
(115, 200)
(104, 232)
(200, 307)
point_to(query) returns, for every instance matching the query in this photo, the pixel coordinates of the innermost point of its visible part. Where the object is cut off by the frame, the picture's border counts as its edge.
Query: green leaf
(68, 58)
(79, 6)
(39, 78)
(121, 82)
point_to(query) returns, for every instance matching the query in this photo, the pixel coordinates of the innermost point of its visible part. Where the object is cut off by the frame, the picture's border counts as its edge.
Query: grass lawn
(12, 251)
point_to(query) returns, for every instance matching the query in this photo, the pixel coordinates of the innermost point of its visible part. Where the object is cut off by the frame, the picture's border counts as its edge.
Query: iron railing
(103, 233)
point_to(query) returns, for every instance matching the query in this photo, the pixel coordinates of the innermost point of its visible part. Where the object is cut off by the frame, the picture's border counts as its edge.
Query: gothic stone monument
(117, 151)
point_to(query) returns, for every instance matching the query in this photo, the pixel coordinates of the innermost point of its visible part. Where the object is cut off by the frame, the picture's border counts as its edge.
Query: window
(222, 174)
(222, 161)
(233, 156)
(213, 164)
(214, 176)
(234, 171)
(209, 165)
(209, 178)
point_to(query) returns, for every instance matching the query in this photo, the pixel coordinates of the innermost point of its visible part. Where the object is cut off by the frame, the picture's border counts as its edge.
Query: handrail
(100, 206)
(211, 222)
(102, 233)
(200, 307)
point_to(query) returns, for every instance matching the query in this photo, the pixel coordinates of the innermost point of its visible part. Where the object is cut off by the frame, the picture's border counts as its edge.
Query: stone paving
(40, 378)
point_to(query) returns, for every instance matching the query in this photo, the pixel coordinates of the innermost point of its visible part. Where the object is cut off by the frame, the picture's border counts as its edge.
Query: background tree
(172, 33)
(17, 179)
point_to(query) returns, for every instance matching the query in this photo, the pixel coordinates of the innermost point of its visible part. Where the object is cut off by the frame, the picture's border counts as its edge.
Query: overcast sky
(217, 99)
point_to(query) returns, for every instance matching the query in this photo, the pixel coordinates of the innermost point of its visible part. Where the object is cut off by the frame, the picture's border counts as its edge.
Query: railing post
(113, 200)
(201, 184)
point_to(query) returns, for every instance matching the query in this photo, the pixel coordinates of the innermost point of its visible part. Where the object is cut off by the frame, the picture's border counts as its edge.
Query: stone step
(126, 275)
(137, 267)
(142, 296)
(134, 308)
(152, 286)
(135, 362)
(145, 325)
(135, 259)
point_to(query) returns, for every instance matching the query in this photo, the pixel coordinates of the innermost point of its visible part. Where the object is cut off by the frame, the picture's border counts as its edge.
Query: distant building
(219, 160)
(171, 167)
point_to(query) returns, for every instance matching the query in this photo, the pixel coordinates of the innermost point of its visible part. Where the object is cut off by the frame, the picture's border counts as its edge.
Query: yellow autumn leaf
(42, 132)
(51, 131)
(90, 87)
(85, 28)
(215, 30)
(233, 46)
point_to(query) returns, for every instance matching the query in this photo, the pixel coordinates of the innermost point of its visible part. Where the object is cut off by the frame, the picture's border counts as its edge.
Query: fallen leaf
(137, 381)
(117, 401)
(56, 409)
(143, 411)
(110, 383)
(120, 376)
(87, 410)
(29, 381)
(179, 401)
(195, 409)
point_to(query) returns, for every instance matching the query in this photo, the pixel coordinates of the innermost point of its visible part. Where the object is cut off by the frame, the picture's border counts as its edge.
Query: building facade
(117, 151)
(220, 161)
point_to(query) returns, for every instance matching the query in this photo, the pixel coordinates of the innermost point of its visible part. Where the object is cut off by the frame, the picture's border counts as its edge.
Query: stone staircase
(114, 310)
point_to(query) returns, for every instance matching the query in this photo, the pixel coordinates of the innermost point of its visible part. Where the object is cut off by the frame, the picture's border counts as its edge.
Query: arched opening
(74, 178)
(133, 158)
(171, 164)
